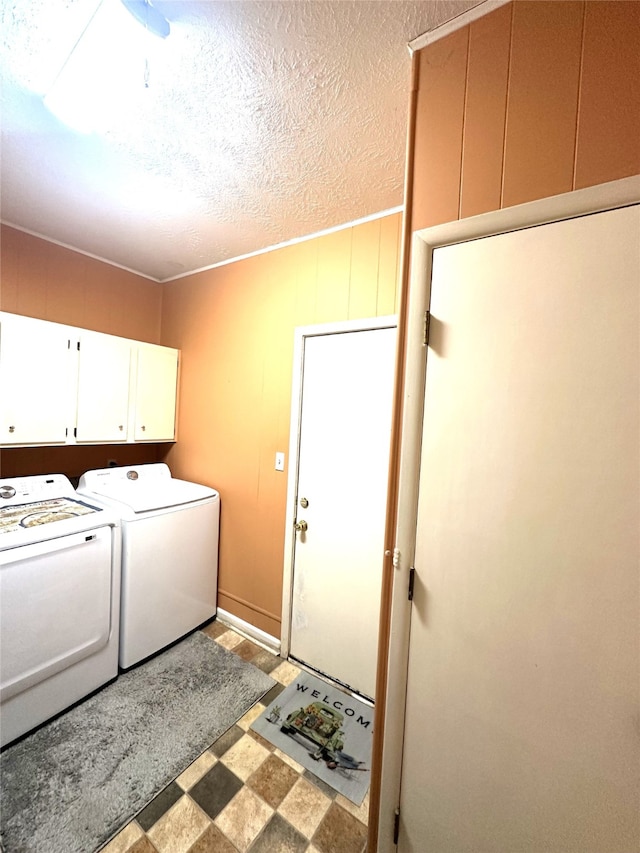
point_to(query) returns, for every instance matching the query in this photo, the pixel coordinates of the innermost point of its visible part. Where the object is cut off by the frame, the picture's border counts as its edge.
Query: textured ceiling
(263, 121)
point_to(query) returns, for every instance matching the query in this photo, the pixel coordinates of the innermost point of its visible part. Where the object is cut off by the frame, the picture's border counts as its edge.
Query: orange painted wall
(537, 98)
(534, 99)
(235, 328)
(43, 280)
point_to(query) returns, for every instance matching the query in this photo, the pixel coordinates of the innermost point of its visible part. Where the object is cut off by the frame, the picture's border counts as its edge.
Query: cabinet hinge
(412, 579)
(427, 324)
(396, 827)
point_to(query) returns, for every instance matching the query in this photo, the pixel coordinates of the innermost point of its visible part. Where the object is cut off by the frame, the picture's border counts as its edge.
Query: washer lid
(142, 488)
(141, 497)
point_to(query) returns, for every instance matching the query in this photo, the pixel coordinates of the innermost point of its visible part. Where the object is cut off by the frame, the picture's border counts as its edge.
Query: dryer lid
(35, 513)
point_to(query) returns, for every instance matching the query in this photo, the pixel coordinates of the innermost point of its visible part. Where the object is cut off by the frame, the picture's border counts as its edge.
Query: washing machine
(169, 553)
(59, 599)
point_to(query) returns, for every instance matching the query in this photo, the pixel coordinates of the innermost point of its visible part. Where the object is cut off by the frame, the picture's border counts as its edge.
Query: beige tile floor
(243, 795)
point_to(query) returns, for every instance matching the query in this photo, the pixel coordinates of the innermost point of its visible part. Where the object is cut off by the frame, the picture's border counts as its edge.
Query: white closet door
(521, 728)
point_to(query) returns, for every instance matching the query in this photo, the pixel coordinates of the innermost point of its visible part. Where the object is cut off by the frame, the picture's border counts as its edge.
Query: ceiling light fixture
(101, 79)
(150, 18)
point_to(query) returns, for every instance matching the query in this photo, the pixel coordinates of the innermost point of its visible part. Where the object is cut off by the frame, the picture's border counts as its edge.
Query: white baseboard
(271, 644)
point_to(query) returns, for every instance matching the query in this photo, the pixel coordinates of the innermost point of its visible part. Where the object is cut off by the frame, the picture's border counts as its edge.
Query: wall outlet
(279, 461)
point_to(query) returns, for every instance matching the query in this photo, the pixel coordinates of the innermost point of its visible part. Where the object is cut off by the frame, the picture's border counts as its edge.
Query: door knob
(300, 526)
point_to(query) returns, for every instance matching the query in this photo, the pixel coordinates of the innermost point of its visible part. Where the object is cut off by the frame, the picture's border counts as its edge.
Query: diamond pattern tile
(158, 806)
(304, 807)
(227, 740)
(244, 796)
(179, 828)
(216, 788)
(124, 841)
(280, 836)
(245, 816)
(340, 832)
(196, 771)
(273, 780)
(245, 757)
(143, 845)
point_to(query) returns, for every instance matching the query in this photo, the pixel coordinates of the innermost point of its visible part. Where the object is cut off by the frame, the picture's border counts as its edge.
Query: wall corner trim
(456, 23)
(294, 241)
(71, 248)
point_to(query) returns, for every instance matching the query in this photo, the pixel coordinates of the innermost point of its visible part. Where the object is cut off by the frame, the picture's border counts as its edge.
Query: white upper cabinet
(103, 388)
(155, 393)
(37, 366)
(63, 385)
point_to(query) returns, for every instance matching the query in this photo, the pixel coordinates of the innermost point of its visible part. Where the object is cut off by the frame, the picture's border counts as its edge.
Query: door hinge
(396, 827)
(412, 579)
(427, 324)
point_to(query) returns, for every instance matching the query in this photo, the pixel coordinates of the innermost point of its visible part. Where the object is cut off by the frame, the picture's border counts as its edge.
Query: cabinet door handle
(12, 429)
(143, 428)
(121, 427)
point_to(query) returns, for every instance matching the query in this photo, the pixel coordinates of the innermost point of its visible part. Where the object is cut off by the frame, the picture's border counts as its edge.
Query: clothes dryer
(169, 553)
(59, 599)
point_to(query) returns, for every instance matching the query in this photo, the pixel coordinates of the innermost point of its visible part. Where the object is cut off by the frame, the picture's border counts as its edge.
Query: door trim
(570, 205)
(301, 333)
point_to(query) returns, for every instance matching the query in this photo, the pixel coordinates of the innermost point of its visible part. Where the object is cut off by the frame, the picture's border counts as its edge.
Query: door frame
(301, 333)
(615, 194)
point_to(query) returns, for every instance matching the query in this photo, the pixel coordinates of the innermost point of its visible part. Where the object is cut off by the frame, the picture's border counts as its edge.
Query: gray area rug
(74, 783)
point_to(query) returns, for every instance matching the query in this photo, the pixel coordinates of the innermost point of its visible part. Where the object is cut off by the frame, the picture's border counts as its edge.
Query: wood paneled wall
(532, 100)
(74, 460)
(235, 328)
(43, 280)
(529, 101)
(47, 281)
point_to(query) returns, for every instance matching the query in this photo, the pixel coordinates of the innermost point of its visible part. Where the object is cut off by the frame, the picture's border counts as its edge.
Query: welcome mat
(75, 782)
(326, 730)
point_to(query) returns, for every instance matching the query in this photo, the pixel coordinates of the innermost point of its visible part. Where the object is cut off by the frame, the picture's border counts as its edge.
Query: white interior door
(343, 458)
(523, 682)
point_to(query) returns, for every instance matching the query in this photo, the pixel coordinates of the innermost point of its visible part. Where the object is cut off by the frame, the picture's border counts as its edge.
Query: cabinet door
(103, 388)
(155, 401)
(37, 381)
